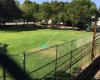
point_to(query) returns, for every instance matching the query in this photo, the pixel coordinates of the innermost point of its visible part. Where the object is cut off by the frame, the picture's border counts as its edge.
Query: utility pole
(93, 42)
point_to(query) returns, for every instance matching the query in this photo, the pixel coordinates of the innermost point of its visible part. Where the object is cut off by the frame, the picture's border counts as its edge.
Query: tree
(30, 10)
(57, 12)
(17, 2)
(98, 13)
(35, 11)
(76, 13)
(46, 11)
(9, 10)
(82, 11)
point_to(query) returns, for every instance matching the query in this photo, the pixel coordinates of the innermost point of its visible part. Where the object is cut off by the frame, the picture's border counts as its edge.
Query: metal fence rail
(90, 71)
(53, 62)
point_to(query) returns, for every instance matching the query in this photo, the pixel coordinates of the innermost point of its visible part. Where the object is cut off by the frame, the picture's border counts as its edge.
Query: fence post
(4, 74)
(93, 42)
(95, 49)
(99, 49)
(24, 61)
(71, 58)
(81, 61)
(90, 52)
(56, 62)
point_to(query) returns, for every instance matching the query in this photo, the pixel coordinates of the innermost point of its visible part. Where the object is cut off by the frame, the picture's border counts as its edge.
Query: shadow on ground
(60, 75)
(18, 28)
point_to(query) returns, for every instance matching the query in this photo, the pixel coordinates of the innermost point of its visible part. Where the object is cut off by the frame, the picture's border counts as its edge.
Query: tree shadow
(32, 27)
(9, 65)
(3, 47)
(18, 28)
(60, 75)
(65, 28)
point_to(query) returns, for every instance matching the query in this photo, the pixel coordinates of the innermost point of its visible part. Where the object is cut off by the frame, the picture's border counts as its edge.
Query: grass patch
(33, 40)
(26, 40)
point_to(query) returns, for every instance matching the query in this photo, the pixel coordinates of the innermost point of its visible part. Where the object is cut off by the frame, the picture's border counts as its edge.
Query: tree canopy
(9, 9)
(74, 13)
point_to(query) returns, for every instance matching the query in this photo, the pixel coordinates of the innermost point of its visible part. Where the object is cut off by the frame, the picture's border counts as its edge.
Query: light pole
(94, 37)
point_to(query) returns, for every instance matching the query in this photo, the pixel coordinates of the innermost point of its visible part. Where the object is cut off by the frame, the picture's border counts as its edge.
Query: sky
(40, 1)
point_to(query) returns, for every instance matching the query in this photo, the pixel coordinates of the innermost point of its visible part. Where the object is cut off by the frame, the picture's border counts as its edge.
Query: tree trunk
(23, 22)
(72, 26)
(27, 21)
(34, 22)
(4, 22)
(46, 23)
(59, 25)
(16, 22)
(52, 24)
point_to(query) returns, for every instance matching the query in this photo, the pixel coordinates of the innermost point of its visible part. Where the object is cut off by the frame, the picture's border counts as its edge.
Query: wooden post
(93, 43)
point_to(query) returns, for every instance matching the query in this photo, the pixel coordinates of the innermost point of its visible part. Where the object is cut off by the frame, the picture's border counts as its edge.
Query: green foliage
(83, 10)
(76, 12)
(26, 8)
(98, 12)
(46, 11)
(17, 2)
(9, 11)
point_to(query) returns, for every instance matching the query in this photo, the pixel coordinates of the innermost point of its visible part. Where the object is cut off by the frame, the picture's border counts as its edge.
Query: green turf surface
(40, 39)
(30, 40)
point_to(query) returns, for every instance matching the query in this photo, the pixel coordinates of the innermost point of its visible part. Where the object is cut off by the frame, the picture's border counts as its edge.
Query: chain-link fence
(58, 62)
